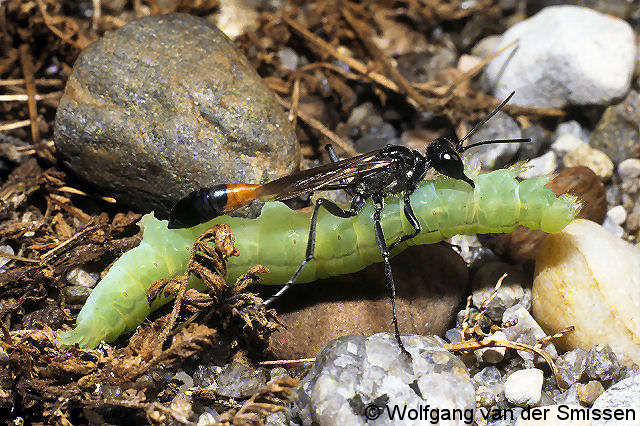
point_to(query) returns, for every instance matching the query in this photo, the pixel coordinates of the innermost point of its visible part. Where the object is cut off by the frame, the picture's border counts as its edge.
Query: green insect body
(278, 238)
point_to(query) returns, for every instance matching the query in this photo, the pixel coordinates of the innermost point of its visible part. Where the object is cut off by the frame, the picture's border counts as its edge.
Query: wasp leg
(388, 275)
(332, 153)
(413, 220)
(334, 209)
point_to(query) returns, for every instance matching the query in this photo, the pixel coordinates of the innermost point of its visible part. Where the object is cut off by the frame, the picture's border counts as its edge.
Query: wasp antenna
(514, 140)
(482, 123)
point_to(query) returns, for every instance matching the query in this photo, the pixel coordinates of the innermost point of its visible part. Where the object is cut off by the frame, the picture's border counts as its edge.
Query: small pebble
(569, 396)
(572, 128)
(468, 62)
(7, 250)
(237, 380)
(596, 160)
(566, 142)
(524, 388)
(526, 330)
(492, 355)
(288, 58)
(617, 215)
(602, 364)
(494, 156)
(629, 168)
(453, 335)
(571, 365)
(540, 166)
(509, 294)
(76, 294)
(278, 372)
(589, 392)
(207, 419)
(78, 276)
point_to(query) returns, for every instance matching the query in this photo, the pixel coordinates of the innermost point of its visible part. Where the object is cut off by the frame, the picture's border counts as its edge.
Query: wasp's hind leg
(334, 209)
(388, 274)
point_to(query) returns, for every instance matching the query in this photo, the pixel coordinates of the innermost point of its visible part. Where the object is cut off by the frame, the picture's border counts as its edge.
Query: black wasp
(376, 174)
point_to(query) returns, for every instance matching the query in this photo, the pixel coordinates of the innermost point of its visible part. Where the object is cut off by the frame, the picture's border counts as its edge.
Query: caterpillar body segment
(278, 239)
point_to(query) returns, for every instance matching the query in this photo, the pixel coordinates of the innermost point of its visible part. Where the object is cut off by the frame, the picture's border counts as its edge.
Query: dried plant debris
(272, 399)
(475, 336)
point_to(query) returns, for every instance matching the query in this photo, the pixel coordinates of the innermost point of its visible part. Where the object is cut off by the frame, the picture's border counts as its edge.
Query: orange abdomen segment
(239, 195)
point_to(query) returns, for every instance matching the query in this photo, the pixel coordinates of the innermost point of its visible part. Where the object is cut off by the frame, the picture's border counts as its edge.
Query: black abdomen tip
(198, 207)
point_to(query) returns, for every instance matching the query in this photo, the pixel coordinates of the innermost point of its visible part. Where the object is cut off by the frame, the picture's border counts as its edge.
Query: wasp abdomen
(204, 204)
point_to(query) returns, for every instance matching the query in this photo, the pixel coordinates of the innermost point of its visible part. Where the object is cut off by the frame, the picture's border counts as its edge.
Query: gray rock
(524, 388)
(205, 375)
(76, 294)
(453, 335)
(601, 364)
(368, 129)
(526, 330)
(494, 156)
(540, 166)
(353, 375)
(565, 143)
(7, 250)
(278, 418)
(492, 355)
(573, 128)
(580, 67)
(510, 293)
(78, 276)
(165, 105)
(616, 134)
(540, 138)
(623, 395)
(278, 372)
(571, 365)
(237, 380)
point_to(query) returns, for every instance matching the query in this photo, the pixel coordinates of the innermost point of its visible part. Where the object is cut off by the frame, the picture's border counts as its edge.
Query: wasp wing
(318, 177)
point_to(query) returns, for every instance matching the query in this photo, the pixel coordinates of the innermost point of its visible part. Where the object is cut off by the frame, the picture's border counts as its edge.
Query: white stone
(566, 142)
(523, 388)
(540, 166)
(617, 215)
(566, 55)
(623, 395)
(629, 168)
(587, 278)
(78, 276)
(7, 250)
(468, 62)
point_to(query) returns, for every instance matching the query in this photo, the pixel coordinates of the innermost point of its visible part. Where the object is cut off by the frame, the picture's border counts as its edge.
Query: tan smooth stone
(588, 278)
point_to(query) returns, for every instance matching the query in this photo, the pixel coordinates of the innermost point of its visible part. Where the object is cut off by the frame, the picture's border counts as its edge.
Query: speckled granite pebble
(165, 105)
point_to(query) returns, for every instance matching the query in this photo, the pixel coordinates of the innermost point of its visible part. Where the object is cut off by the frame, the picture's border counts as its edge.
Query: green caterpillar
(278, 238)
